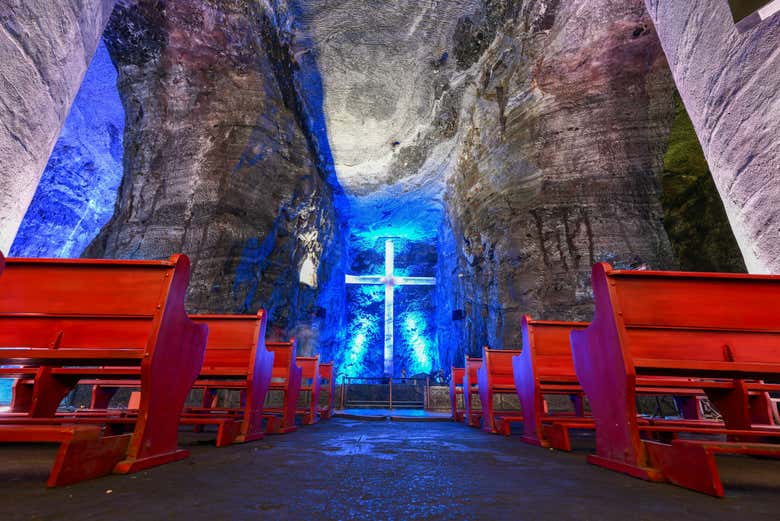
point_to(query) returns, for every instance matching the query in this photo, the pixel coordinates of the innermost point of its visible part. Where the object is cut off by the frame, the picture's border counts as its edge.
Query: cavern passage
(502, 146)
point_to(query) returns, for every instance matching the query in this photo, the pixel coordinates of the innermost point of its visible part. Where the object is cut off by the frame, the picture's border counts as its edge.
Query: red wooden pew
(77, 319)
(545, 366)
(327, 382)
(286, 378)
(310, 383)
(456, 390)
(471, 387)
(722, 330)
(235, 359)
(496, 376)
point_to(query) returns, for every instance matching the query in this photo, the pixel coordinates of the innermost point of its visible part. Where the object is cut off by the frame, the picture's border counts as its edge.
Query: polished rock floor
(379, 470)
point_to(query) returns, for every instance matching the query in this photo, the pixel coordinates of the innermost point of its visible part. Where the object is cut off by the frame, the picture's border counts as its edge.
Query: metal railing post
(391, 393)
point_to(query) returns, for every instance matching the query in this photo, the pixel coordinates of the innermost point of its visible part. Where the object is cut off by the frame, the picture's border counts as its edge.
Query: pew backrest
(546, 344)
(693, 324)
(456, 379)
(473, 366)
(310, 371)
(235, 343)
(284, 358)
(326, 374)
(497, 365)
(117, 310)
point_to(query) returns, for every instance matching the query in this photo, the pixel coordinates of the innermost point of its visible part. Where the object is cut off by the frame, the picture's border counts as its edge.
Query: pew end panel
(470, 388)
(327, 382)
(528, 387)
(286, 377)
(167, 376)
(456, 390)
(310, 383)
(609, 382)
(496, 376)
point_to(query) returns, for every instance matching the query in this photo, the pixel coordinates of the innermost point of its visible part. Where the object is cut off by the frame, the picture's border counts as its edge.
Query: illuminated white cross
(389, 281)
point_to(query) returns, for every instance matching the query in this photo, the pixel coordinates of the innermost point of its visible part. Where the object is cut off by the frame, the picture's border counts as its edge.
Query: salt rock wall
(730, 91)
(218, 165)
(77, 192)
(46, 46)
(561, 141)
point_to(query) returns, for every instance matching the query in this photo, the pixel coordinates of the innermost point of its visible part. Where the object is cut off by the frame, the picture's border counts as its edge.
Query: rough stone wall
(46, 47)
(77, 192)
(728, 81)
(218, 166)
(561, 142)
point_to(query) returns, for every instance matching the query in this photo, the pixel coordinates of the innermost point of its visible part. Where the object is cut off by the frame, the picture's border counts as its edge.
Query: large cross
(389, 281)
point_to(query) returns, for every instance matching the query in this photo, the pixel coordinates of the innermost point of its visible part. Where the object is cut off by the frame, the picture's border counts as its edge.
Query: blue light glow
(365, 332)
(413, 330)
(415, 350)
(77, 192)
(418, 352)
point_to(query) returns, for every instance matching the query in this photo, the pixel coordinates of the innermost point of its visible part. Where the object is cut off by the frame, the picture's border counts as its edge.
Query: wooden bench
(236, 359)
(310, 384)
(720, 330)
(496, 376)
(328, 383)
(470, 388)
(286, 378)
(456, 391)
(545, 366)
(77, 319)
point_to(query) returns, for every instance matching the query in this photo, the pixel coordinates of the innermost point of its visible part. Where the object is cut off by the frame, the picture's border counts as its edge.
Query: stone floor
(377, 470)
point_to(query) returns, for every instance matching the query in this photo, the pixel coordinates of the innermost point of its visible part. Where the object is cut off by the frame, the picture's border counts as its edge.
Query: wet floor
(378, 470)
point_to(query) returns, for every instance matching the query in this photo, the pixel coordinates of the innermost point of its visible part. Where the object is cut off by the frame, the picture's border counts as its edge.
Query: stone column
(46, 47)
(729, 82)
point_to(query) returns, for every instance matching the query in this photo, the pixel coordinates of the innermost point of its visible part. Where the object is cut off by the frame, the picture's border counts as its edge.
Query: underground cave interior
(405, 165)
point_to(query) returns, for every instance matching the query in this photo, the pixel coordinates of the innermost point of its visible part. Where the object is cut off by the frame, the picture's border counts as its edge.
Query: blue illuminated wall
(415, 346)
(77, 192)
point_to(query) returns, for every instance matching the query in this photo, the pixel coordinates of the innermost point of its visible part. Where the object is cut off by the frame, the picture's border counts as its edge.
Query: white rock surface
(379, 62)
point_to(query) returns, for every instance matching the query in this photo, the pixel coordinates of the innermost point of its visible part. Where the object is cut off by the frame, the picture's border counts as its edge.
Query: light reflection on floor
(416, 414)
